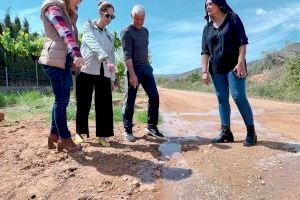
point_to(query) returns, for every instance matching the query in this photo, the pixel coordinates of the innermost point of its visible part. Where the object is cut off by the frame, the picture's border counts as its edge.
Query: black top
(135, 44)
(222, 44)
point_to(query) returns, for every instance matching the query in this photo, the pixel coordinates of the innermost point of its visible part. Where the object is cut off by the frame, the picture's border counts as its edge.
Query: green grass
(141, 116)
(18, 106)
(23, 105)
(2, 100)
(186, 84)
(8, 99)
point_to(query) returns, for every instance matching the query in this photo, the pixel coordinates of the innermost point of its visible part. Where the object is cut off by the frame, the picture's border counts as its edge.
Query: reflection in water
(167, 149)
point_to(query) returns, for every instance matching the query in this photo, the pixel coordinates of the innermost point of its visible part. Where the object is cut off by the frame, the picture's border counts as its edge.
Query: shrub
(293, 74)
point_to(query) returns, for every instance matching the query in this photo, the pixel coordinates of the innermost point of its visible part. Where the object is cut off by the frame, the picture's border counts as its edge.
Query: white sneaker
(129, 137)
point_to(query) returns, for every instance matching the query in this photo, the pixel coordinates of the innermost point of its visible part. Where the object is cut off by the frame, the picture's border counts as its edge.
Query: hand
(111, 67)
(113, 86)
(133, 80)
(240, 70)
(205, 78)
(78, 62)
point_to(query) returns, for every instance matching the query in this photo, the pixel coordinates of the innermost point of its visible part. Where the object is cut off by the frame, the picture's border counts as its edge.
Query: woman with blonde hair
(60, 53)
(98, 73)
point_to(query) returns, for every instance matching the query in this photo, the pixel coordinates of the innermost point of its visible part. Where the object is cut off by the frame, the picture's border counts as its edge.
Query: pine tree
(17, 24)
(7, 20)
(1, 28)
(26, 25)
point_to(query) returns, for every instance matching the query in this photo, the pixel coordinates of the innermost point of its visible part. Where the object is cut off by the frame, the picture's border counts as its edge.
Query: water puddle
(167, 149)
(173, 146)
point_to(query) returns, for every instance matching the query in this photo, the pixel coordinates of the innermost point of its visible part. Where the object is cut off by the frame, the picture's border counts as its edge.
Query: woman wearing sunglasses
(224, 49)
(59, 54)
(97, 74)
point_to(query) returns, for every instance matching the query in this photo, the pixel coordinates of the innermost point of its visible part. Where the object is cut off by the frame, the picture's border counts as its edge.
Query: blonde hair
(72, 14)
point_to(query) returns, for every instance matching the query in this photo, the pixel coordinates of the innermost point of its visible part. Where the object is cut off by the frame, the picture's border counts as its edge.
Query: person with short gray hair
(135, 40)
(138, 10)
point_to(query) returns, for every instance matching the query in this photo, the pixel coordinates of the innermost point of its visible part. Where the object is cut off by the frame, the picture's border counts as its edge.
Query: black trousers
(85, 84)
(145, 77)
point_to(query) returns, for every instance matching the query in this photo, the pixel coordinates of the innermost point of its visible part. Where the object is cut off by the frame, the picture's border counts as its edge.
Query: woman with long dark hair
(223, 57)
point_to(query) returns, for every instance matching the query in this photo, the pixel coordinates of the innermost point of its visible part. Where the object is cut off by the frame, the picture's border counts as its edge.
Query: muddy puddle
(200, 128)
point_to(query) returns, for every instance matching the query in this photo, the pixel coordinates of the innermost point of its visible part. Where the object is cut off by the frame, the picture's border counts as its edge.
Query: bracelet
(204, 73)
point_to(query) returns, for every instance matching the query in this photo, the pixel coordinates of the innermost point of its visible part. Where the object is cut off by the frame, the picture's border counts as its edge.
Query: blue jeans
(237, 86)
(145, 77)
(61, 82)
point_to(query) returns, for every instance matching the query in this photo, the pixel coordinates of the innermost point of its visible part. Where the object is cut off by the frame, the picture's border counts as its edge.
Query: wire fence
(23, 72)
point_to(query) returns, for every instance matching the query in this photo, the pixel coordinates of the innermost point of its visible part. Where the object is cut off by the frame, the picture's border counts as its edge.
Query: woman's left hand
(240, 70)
(111, 67)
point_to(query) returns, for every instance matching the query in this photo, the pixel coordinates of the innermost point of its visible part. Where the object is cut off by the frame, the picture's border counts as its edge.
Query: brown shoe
(68, 145)
(53, 138)
(1, 116)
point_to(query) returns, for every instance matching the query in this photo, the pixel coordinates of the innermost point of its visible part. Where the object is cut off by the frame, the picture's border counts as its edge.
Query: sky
(176, 26)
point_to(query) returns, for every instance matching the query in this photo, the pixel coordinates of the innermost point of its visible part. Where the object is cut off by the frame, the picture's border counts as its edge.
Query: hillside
(275, 76)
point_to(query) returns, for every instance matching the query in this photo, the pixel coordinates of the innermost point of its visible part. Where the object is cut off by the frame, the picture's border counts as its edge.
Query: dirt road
(270, 170)
(185, 166)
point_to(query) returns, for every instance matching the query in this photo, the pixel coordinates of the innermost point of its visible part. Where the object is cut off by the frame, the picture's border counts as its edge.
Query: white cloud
(268, 19)
(260, 11)
(265, 42)
(291, 26)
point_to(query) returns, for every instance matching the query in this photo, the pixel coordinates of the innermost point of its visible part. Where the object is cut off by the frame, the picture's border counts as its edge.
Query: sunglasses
(109, 16)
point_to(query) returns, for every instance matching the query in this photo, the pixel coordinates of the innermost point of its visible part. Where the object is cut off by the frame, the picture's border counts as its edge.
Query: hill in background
(275, 76)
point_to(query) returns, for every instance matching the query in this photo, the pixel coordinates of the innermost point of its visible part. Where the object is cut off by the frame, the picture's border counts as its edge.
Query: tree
(2, 57)
(80, 39)
(195, 77)
(17, 24)
(26, 27)
(293, 74)
(7, 42)
(117, 41)
(7, 20)
(120, 68)
(1, 28)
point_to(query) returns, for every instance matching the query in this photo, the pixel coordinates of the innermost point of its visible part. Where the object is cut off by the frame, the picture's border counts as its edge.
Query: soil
(186, 165)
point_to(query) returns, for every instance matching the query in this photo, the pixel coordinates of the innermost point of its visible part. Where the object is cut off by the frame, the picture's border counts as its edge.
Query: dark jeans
(237, 86)
(85, 84)
(61, 82)
(145, 77)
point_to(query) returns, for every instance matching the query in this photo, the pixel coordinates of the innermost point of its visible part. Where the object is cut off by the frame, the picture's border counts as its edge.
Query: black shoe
(251, 138)
(224, 136)
(153, 131)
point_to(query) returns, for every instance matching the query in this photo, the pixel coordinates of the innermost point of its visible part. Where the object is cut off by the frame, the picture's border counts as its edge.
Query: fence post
(36, 72)
(6, 73)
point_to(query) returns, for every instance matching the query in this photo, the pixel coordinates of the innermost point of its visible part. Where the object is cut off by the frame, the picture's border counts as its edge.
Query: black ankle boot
(251, 138)
(224, 136)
